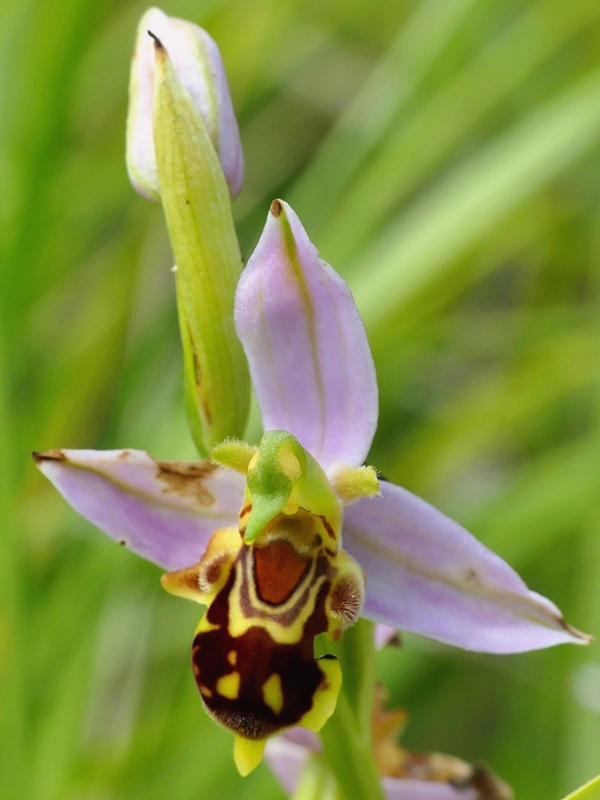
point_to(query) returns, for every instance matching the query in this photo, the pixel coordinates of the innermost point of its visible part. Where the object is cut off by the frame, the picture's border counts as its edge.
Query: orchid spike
(197, 62)
(297, 538)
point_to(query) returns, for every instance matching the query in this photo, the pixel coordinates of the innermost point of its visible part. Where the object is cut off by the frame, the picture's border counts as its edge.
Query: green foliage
(346, 736)
(591, 791)
(444, 157)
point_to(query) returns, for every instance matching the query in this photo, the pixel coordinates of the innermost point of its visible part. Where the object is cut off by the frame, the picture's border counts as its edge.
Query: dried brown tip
(584, 638)
(49, 455)
(276, 208)
(157, 42)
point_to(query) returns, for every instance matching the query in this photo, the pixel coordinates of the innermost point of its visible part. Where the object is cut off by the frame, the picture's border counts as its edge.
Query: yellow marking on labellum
(325, 698)
(271, 598)
(265, 614)
(204, 626)
(229, 686)
(247, 754)
(273, 693)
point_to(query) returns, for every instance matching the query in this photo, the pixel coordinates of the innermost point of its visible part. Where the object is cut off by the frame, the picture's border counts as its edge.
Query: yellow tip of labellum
(325, 698)
(247, 754)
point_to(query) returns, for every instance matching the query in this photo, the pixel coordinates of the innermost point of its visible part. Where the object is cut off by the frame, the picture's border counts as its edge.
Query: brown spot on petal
(472, 576)
(186, 478)
(276, 208)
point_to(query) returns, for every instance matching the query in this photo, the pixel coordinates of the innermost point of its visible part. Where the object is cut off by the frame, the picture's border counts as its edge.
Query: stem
(347, 735)
(316, 783)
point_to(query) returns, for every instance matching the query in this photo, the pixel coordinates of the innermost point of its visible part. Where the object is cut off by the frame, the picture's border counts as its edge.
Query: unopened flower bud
(198, 65)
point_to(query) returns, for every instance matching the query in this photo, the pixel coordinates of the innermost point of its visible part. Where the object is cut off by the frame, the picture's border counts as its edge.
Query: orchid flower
(296, 537)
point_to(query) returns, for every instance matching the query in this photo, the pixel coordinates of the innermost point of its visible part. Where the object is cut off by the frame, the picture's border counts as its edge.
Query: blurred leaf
(591, 791)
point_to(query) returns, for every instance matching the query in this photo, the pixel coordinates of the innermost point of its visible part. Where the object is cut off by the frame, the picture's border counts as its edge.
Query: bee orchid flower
(297, 537)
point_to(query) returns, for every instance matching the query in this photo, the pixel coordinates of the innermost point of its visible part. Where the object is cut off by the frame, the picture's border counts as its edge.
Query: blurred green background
(444, 157)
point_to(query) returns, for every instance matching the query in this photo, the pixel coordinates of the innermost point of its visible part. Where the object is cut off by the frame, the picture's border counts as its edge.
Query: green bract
(197, 208)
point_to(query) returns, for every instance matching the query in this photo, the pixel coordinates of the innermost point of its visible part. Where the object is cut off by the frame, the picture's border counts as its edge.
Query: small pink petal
(427, 574)
(287, 759)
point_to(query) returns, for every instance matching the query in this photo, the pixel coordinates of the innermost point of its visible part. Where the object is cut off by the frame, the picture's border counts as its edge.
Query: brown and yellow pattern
(252, 653)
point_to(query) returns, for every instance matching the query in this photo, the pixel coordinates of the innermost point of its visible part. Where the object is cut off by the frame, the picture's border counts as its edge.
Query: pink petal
(164, 511)
(427, 574)
(306, 345)
(288, 753)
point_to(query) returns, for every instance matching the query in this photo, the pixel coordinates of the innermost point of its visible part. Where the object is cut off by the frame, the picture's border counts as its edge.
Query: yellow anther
(350, 483)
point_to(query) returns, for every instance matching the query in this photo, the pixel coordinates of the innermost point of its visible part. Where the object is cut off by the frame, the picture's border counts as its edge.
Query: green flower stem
(347, 735)
(197, 208)
(316, 782)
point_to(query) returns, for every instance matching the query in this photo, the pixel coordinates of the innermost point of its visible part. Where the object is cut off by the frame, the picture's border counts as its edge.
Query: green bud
(197, 208)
